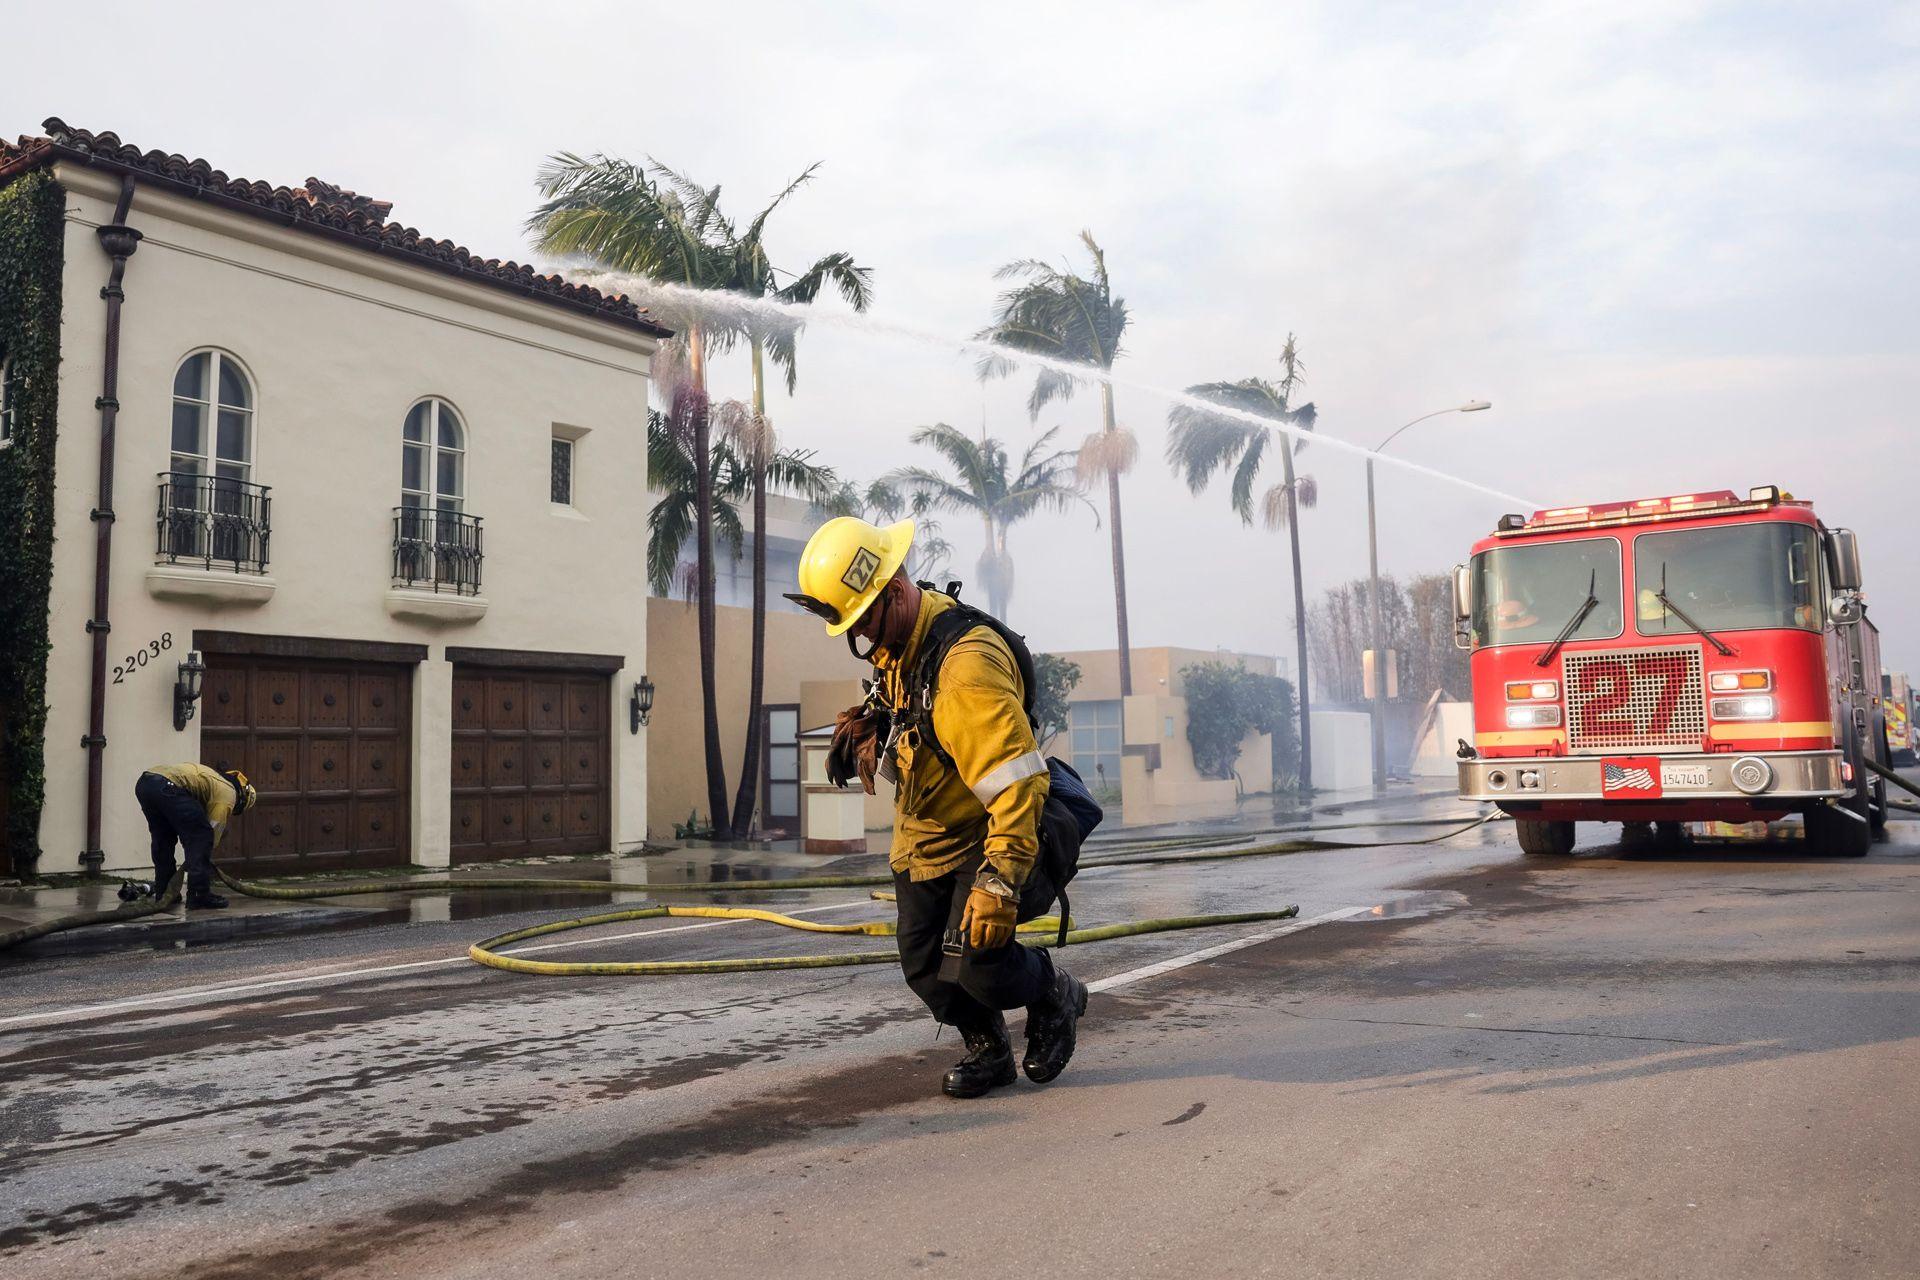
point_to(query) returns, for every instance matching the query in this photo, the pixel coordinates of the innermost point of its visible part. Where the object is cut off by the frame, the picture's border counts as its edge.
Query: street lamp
(1373, 598)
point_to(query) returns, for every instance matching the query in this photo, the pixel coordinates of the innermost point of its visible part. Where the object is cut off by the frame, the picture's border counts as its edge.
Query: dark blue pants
(973, 990)
(175, 817)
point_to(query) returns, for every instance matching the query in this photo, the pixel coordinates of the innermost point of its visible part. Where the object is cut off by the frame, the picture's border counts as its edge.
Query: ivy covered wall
(32, 208)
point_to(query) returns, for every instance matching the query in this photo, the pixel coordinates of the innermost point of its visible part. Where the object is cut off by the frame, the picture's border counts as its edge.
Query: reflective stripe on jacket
(992, 794)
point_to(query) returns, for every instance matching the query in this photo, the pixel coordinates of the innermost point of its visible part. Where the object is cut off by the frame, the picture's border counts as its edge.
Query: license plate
(1686, 777)
(1630, 778)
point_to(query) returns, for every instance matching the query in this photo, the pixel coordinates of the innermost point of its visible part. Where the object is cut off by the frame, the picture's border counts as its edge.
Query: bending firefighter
(190, 805)
(986, 831)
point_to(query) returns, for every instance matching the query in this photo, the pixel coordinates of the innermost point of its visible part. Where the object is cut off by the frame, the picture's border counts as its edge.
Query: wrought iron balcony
(214, 520)
(436, 550)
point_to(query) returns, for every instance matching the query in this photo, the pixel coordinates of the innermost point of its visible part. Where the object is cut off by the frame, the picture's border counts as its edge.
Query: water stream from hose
(677, 299)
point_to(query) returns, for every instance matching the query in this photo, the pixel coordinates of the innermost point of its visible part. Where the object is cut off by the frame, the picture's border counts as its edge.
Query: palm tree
(671, 475)
(984, 484)
(1062, 316)
(613, 212)
(1201, 444)
(655, 221)
(748, 270)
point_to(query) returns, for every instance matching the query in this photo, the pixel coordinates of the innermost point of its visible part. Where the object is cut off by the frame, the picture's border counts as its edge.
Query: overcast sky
(1673, 242)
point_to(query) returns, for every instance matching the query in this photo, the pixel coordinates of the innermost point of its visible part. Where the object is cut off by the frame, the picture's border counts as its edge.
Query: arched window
(433, 458)
(213, 418)
(211, 508)
(6, 398)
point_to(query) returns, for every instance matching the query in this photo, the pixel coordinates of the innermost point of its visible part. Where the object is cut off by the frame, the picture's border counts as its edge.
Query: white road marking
(327, 975)
(1207, 953)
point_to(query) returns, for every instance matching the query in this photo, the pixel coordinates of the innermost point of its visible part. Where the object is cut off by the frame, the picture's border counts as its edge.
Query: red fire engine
(1685, 659)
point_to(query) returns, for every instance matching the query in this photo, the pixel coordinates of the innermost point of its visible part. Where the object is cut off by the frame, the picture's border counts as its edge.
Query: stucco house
(389, 495)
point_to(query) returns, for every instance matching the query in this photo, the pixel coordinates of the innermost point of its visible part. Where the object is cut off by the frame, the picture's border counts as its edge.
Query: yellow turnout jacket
(215, 793)
(990, 797)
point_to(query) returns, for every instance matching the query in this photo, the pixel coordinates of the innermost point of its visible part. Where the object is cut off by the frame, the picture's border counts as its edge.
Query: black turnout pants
(173, 815)
(976, 987)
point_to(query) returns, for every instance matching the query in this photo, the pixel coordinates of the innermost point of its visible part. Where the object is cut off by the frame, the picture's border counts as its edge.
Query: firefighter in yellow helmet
(190, 805)
(970, 790)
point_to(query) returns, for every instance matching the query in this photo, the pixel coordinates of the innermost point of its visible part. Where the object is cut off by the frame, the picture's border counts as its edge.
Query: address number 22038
(139, 658)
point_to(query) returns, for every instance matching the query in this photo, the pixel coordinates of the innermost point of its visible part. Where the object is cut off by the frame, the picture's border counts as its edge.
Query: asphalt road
(1457, 1062)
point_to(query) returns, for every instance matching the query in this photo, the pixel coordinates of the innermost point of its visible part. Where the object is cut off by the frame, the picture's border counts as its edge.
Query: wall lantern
(186, 688)
(642, 705)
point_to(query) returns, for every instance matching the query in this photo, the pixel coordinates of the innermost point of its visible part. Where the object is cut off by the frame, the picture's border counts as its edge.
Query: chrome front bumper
(1799, 775)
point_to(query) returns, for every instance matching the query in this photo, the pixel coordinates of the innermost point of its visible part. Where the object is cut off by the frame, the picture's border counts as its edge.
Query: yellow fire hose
(484, 953)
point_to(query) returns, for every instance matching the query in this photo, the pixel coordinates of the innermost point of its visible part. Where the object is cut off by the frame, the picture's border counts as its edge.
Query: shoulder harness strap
(923, 683)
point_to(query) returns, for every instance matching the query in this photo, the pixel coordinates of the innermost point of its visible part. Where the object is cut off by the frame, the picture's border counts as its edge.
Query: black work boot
(1052, 1027)
(201, 897)
(988, 1064)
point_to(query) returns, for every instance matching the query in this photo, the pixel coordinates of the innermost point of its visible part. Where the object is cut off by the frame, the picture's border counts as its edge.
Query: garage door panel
(547, 705)
(223, 698)
(224, 751)
(376, 764)
(547, 816)
(276, 698)
(506, 703)
(329, 764)
(326, 828)
(583, 810)
(586, 705)
(469, 763)
(506, 762)
(329, 699)
(326, 743)
(469, 820)
(469, 703)
(377, 702)
(273, 830)
(506, 818)
(276, 765)
(583, 764)
(376, 826)
(547, 763)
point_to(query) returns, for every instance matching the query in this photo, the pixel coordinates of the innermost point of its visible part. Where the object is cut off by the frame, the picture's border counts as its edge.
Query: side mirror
(1462, 606)
(1843, 555)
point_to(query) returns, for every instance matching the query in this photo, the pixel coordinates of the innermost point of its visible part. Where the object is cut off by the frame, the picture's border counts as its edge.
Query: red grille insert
(1634, 698)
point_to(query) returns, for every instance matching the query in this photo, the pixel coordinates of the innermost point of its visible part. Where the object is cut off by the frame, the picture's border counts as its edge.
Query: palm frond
(1107, 453)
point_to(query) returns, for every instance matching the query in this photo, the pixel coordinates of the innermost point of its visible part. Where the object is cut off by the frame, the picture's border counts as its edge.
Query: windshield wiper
(1667, 604)
(1587, 606)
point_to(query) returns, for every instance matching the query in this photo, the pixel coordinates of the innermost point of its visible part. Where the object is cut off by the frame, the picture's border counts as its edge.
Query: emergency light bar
(1673, 507)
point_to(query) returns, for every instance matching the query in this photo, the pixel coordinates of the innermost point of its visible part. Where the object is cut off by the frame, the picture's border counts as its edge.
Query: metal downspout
(119, 241)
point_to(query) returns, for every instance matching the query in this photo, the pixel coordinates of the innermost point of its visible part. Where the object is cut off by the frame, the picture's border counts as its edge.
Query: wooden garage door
(529, 763)
(326, 746)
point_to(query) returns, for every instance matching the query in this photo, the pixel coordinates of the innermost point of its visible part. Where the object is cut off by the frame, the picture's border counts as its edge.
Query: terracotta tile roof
(317, 207)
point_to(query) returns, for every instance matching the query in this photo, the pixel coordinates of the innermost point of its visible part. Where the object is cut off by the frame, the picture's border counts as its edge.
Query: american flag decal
(1617, 778)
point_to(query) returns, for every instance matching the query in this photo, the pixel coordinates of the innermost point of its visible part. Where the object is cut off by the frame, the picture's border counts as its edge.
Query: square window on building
(562, 488)
(1094, 738)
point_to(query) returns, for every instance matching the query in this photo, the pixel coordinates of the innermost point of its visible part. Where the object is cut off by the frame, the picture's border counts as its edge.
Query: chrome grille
(1634, 698)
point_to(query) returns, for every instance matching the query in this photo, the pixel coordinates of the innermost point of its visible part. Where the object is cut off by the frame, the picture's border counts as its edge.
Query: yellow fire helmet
(243, 793)
(845, 565)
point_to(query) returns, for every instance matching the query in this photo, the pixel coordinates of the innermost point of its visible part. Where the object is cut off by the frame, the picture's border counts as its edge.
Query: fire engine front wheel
(1841, 831)
(1543, 839)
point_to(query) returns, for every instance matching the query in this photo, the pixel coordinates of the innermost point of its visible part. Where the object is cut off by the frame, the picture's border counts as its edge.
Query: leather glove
(988, 918)
(856, 748)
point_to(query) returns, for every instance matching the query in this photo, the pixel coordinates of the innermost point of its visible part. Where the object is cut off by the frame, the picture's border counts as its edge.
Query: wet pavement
(1456, 1060)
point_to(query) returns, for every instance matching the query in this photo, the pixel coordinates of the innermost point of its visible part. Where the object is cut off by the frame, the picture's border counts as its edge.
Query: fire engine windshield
(1728, 578)
(1526, 594)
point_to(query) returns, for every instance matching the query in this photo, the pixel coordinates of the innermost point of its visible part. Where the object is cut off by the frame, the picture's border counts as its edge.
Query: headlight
(1532, 717)
(1533, 690)
(1736, 681)
(1751, 708)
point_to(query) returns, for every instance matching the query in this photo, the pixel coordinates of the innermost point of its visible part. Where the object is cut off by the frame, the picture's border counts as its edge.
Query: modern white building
(392, 494)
